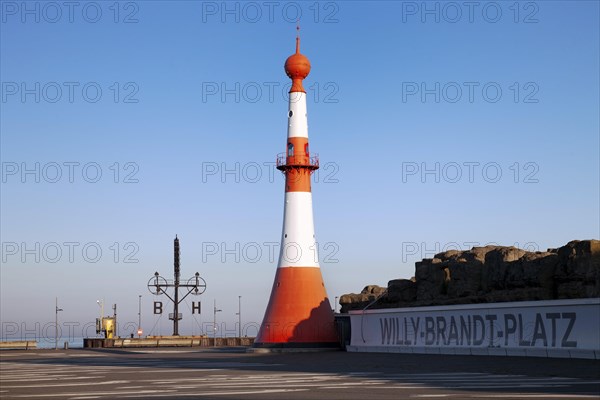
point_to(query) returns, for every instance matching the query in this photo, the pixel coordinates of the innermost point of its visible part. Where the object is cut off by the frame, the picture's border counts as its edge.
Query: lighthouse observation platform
(285, 161)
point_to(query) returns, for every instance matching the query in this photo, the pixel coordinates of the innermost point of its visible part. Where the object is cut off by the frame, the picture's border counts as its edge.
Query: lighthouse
(299, 314)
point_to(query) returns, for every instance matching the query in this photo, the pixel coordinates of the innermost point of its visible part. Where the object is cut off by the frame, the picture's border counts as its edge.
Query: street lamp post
(215, 324)
(239, 314)
(101, 304)
(115, 320)
(99, 322)
(140, 317)
(56, 325)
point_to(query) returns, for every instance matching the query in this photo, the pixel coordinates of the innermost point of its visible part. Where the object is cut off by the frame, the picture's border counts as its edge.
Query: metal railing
(297, 161)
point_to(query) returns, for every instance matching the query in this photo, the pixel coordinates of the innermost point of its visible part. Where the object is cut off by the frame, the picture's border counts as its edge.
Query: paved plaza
(231, 373)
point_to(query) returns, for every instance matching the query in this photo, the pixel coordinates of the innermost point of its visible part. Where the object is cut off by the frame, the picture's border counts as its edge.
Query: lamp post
(56, 325)
(335, 305)
(158, 285)
(101, 304)
(99, 326)
(115, 320)
(239, 314)
(139, 332)
(215, 324)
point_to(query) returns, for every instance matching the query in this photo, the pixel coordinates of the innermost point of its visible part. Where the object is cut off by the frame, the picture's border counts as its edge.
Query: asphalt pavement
(231, 373)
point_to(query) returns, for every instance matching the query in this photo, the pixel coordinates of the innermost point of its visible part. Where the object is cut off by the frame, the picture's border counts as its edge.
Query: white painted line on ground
(360, 383)
(65, 384)
(248, 381)
(388, 387)
(130, 387)
(272, 377)
(17, 355)
(249, 385)
(144, 370)
(238, 383)
(85, 397)
(223, 393)
(139, 393)
(177, 380)
(27, 376)
(53, 378)
(44, 369)
(88, 355)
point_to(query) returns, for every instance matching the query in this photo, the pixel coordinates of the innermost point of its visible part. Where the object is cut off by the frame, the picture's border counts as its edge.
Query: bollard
(66, 346)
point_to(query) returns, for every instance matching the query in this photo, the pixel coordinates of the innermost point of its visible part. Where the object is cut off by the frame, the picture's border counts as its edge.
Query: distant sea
(74, 343)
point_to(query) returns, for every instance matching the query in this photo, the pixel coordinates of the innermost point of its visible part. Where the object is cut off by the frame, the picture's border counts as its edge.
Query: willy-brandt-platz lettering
(549, 330)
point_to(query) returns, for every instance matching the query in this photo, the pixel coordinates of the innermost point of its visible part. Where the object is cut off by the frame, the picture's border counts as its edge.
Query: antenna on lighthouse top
(297, 66)
(298, 37)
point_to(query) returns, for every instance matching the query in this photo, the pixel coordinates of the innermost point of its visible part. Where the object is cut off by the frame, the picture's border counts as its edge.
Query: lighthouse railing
(297, 160)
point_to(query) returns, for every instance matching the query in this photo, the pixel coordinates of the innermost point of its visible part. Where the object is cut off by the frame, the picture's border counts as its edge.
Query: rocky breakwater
(488, 275)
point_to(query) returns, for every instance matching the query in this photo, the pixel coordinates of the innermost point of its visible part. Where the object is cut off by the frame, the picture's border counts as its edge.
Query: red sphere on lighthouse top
(297, 67)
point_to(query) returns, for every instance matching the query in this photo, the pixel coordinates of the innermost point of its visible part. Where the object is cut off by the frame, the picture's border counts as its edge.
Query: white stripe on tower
(298, 244)
(297, 116)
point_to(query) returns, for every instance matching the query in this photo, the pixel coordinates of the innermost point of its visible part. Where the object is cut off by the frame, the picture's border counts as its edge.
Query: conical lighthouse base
(299, 316)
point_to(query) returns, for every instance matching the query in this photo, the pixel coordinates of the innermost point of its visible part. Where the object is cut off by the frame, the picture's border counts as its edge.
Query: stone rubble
(488, 275)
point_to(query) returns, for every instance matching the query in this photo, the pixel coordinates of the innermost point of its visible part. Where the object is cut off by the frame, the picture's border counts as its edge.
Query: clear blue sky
(369, 120)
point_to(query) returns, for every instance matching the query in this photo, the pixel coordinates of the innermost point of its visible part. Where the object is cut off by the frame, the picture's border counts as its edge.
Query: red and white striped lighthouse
(299, 314)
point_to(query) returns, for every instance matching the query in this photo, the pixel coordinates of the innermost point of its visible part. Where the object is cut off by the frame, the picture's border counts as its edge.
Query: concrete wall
(18, 344)
(166, 341)
(554, 328)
